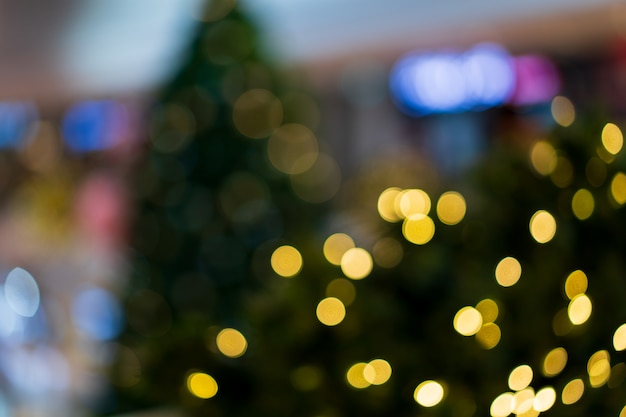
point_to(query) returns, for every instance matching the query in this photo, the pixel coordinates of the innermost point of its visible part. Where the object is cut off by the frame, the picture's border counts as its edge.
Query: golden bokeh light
(377, 372)
(387, 252)
(418, 229)
(502, 405)
(386, 205)
(542, 226)
(429, 393)
(356, 263)
(599, 368)
(544, 399)
(330, 311)
(619, 338)
(286, 261)
(257, 113)
(488, 309)
(563, 111)
(563, 174)
(335, 246)
(623, 412)
(451, 208)
(356, 377)
(231, 343)
(468, 321)
(292, 149)
(576, 283)
(411, 202)
(508, 271)
(579, 309)
(342, 289)
(489, 336)
(523, 401)
(555, 362)
(543, 158)
(202, 385)
(583, 204)
(520, 377)
(612, 138)
(573, 391)
(618, 188)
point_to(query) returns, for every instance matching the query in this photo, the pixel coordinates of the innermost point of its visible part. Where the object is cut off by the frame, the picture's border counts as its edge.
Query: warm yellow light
(410, 202)
(428, 393)
(554, 362)
(542, 226)
(387, 252)
(583, 204)
(623, 412)
(451, 208)
(386, 205)
(231, 343)
(619, 338)
(377, 372)
(335, 246)
(292, 149)
(257, 113)
(599, 368)
(355, 376)
(418, 229)
(576, 283)
(342, 289)
(543, 158)
(563, 111)
(356, 263)
(468, 321)
(508, 271)
(201, 385)
(612, 138)
(520, 377)
(488, 309)
(573, 391)
(489, 336)
(579, 309)
(544, 399)
(502, 405)
(330, 311)
(286, 261)
(618, 188)
(523, 401)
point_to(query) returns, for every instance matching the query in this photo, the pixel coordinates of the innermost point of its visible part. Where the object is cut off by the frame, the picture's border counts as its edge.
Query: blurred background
(144, 211)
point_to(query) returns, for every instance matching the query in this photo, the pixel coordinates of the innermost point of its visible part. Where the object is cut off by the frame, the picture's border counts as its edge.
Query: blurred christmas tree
(500, 297)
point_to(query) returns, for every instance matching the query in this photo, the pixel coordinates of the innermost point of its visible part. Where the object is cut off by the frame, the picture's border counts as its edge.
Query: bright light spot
(523, 401)
(583, 204)
(356, 263)
(543, 158)
(563, 111)
(292, 149)
(612, 138)
(22, 292)
(418, 229)
(579, 309)
(489, 335)
(335, 246)
(468, 321)
(342, 289)
(563, 175)
(428, 393)
(386, 205)
(355, 376)
(257, 113)
(573, 391)
(599, 368)
(508, 271)
(387, 252)
(377, 372)
(537, 80)
(618, 188)
(202, 385)
(554, 362)
(92, 125)
(451, 208)
(520, 377)
(97, 313)
(330, 311)
(542, 226)
(619, 338)
(231, 343)
(576, 283)
(488, 309)
(544, 399)
(411, 202)
(623, 412)
(502, 405)
(286, 261)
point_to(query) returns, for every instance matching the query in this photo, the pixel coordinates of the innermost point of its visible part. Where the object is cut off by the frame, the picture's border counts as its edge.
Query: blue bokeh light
(89, 126)
(16, 120)
(97, 313)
